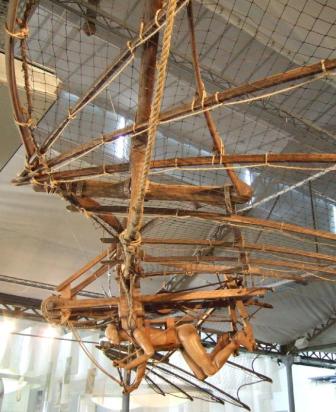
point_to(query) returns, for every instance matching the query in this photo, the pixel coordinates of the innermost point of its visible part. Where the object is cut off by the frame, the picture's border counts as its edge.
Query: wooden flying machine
(162, 322)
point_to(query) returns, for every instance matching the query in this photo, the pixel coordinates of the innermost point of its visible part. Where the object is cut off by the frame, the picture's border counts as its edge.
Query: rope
(289, 189)
(199, 111)
(91, 357)
(153, 122)
(20, 34)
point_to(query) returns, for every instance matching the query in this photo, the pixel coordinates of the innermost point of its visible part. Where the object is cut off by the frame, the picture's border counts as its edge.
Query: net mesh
(72, 45)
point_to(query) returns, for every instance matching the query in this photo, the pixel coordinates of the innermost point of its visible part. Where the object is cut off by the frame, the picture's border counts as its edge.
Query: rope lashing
(20, 34)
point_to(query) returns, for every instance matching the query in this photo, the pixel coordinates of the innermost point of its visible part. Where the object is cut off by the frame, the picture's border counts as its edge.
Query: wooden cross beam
(263, 247)
(236, 158)
(154, 191)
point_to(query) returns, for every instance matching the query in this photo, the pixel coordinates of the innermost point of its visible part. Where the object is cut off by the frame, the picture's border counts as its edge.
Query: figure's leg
(223, 355)
(192, 345)
(145, 344)
(140, 372)
(197, 371)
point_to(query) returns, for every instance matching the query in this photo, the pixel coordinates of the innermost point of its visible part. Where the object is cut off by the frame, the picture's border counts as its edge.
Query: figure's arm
(145, 344)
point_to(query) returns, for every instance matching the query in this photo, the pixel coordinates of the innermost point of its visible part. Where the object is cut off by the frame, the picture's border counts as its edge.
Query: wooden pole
(235, 220)
(257, 159)
(191, 107)
(154, 191)
(145, 96)
(263, 247)
(242, 188)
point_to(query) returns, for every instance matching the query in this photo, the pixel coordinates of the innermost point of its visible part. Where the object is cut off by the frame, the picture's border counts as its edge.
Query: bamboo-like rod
(85, 203)
(243, 269)
(219, 217)
(139, 143)
(154, 191)
(174, 297)
(21, 118)
(104, 79)
(267, 158)
(188, 108)
(268, 262)
(84, 269)
(241, 187)
(263, 247)
(95, 275)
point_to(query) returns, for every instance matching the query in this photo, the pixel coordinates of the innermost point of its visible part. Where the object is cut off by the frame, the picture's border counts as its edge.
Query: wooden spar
(268, 262)
(204, 295)
(267, 158)
(21, 118)
(95, 275)
(67, 282)
(139, 143)
(111, 220)
(219, 217)
(163, 298)
(263, 247)
(154, 211)
(188, 108)
(242, 188)
(149, 31)
(154, 191)
(199, 268)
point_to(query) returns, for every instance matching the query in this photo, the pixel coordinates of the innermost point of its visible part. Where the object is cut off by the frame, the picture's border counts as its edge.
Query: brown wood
(175, 112)
(84, 269)
(268, 262)
(87, 203)
(184, 162)
(243, 269)
(95, 275)
(25, 131)
(164, 298)
(242, 188)
(233, 246)
(150, 31)
(145, 96)
(154, 191)
(219, 217)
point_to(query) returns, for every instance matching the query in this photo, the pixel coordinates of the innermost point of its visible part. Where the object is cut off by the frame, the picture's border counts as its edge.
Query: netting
(248, 103)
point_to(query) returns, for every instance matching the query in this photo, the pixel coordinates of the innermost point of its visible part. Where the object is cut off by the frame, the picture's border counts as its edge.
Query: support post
(125, 406)
(290, 390)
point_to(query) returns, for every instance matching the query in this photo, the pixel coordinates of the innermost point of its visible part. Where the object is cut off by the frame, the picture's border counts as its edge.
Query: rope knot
(21, 34)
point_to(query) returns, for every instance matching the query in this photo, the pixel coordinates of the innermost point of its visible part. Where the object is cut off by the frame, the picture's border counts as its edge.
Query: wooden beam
(145, 96)
(67, 282)
(219, 217)
(22, 118)
(243, 269)
(154, 191)
(263, 247)
(191, 107)
(241, 187)
(163, 260)
(269, 158)
(95, 275)
(88, 203)
(149, 31)
(174, 297)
